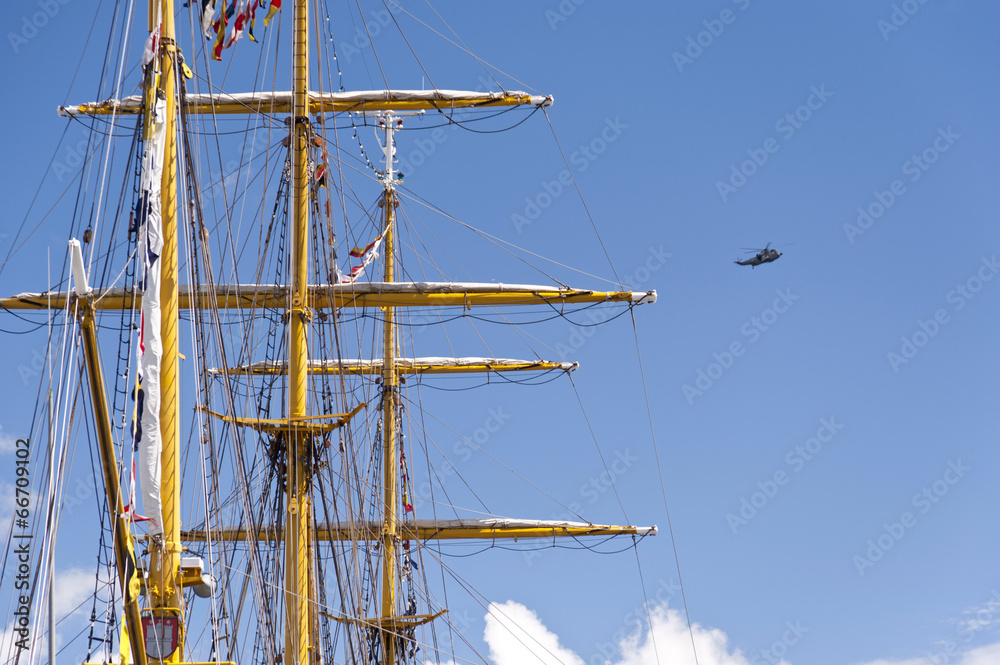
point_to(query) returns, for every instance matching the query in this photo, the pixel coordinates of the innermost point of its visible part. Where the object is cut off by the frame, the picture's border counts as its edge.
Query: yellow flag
(125, 646)
(271, 11)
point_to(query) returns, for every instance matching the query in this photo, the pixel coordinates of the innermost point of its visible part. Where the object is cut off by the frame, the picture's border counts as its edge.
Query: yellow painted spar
(394, 624)
(268, 103)
(431, 530)
(406, 366)
(293, 423)
(124, 552)
(375, 294)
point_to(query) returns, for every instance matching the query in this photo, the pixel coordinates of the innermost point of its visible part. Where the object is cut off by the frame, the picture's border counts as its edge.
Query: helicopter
(765, 255)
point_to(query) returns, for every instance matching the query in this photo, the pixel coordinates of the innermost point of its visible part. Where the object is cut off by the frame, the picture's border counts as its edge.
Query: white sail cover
(268, 295)
(359, 99)
(416, 364)
(150, 345)
(481, 524)
(511, 523)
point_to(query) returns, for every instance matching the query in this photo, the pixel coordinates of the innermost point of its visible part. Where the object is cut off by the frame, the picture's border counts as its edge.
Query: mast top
(390, 123)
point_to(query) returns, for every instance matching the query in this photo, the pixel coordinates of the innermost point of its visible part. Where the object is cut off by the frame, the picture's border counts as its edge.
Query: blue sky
(845, 393)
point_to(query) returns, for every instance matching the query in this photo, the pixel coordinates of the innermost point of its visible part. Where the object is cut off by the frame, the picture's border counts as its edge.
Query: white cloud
(669, 641)
(8, 442)
(980, 617)
(72, 586)
(515, 635)
(7, 505)
(985, 655)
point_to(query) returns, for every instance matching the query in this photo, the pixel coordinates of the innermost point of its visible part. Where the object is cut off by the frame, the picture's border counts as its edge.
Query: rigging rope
(663, 488)
(579, 192)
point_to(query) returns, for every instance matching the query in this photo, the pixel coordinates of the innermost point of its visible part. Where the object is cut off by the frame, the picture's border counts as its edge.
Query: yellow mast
(298, 509)
(390, 409)
(124, 552)
(166, 599)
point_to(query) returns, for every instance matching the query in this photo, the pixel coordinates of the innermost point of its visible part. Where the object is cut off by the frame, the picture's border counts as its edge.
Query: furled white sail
(427, 365)
(490, 528)
(511, 523)
(150, 344)
(358, 294)
(281, 101)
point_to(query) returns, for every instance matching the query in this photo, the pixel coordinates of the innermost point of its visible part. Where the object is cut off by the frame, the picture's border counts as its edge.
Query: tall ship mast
(305, 543)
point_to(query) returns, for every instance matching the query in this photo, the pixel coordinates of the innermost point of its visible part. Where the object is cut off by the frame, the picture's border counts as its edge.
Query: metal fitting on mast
(390, 123)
